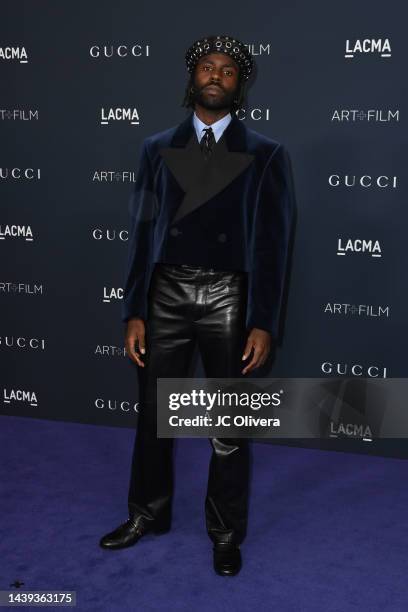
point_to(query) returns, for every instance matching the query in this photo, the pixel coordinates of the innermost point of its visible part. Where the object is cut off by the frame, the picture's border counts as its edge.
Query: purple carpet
(327, 531)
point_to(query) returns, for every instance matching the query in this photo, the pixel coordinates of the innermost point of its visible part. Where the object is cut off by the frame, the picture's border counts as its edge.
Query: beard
(221, 100)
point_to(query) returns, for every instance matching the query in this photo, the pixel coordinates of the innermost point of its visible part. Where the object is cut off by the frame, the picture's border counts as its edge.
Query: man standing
(211, 216)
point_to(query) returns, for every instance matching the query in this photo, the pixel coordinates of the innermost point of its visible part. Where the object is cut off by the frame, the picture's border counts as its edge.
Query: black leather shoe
(127, 534)
(227, 559)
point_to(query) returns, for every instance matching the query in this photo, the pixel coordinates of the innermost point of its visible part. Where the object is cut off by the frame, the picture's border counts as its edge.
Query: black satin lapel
(202, 180)
(185, 163)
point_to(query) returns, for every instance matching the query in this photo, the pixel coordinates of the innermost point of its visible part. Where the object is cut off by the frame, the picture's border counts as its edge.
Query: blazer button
(175, 231)
(222, 237)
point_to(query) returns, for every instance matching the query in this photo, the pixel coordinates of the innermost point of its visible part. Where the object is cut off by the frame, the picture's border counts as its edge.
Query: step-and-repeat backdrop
(83, 85)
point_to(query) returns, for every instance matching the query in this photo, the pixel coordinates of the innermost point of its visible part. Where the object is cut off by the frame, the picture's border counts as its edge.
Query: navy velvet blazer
(232, 212)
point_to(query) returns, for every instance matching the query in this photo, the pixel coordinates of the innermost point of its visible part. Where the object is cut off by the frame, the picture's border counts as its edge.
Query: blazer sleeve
(142, 212)
(269, 244)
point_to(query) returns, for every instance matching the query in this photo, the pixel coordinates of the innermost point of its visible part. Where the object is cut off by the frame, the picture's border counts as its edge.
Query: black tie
(207, 142)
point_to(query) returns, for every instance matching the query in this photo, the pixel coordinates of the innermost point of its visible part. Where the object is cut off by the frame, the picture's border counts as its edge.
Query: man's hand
(135, 332)
(260, 341)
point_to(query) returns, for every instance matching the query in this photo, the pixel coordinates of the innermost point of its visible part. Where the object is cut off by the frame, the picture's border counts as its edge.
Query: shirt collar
(218, 127)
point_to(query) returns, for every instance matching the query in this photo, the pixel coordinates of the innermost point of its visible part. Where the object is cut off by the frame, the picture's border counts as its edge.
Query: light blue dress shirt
(218, 126)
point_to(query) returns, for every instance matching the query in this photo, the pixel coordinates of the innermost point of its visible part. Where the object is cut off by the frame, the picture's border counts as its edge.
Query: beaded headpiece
(221, 44)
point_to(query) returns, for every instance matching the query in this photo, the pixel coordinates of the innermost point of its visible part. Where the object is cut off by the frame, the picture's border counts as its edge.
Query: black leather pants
(189, 306)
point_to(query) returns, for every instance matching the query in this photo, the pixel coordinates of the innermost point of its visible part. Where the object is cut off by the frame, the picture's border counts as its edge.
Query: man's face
(215, 81)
